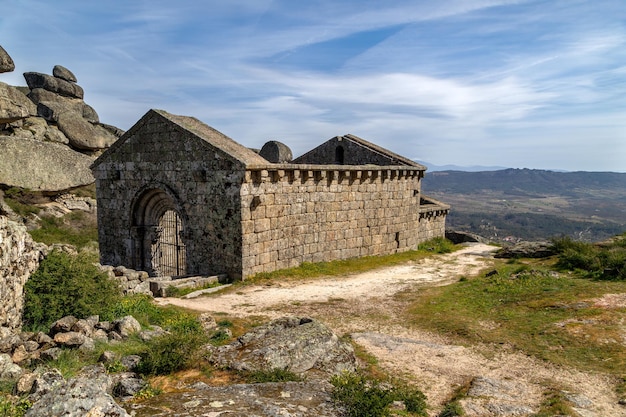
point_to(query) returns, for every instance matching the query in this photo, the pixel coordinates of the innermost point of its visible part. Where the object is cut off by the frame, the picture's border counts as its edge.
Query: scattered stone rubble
(89, 392)
(24, 348)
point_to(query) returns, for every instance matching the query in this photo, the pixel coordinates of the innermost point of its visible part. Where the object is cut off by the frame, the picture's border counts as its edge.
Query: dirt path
(270, 299)
(367, 306)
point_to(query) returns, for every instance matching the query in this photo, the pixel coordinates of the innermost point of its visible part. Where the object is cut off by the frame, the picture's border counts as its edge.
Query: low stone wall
(130, 281)
(19, 258)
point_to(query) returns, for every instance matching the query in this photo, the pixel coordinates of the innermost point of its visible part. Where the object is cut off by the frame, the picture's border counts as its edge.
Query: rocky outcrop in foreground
(302, 345)
(299, 344)
(48, 134)
(276, 399)
(89, 394)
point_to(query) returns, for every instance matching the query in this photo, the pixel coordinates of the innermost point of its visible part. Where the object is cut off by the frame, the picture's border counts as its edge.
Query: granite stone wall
(317, 213)
(136, 184)
(19, 258)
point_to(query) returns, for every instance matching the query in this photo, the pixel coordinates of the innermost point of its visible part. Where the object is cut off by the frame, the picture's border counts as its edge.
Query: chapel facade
(178, 198)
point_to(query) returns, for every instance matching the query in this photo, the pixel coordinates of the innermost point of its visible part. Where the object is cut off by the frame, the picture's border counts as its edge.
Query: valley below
(520, 204)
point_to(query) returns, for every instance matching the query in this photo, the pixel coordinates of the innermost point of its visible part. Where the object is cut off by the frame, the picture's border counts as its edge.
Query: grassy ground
(532, 307)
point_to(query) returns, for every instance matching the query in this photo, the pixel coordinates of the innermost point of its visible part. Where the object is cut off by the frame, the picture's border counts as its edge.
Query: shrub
(172, 352)
(219, 337)
(140, 306)
(600, 262)
(365, 397)
(67, 285)
(452, 409)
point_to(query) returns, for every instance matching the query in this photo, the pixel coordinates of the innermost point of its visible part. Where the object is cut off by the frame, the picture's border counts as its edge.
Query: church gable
(160, 137)
(352, 150)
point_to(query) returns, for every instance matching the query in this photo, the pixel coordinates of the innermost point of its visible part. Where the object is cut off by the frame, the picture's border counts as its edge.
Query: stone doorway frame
(147, 230)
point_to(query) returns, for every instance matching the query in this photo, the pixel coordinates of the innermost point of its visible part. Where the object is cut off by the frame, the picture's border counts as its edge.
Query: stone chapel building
(177, 198)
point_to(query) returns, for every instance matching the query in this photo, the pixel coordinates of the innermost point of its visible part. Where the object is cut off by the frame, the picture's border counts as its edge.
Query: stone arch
(158, 232)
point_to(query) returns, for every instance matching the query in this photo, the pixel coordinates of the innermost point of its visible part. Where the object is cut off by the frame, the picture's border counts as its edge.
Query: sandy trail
(259, 299)
(367, 307)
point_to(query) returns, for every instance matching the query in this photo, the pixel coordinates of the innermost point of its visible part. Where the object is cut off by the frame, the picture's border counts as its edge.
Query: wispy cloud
(486, 81)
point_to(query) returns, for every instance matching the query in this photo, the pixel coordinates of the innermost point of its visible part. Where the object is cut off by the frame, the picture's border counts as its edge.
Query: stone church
(178, 198)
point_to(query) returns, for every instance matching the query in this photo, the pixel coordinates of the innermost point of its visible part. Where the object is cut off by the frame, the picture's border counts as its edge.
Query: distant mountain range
(472, 168)
(514, 204)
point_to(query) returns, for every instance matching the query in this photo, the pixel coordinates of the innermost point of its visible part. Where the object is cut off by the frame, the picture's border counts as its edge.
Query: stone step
(159, 285)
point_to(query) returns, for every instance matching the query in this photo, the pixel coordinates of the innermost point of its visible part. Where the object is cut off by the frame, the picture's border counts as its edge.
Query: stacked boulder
(48, 129)
(59, 101)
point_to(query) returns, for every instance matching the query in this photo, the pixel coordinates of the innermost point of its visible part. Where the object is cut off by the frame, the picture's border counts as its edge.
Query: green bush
(172, 352)
(361, 396)
(67, 285)
(140, 306)
(452, 409)
(606, 262)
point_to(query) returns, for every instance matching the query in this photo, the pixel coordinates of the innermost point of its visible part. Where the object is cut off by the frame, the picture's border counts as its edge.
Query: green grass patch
(355, 265)
(142, 308)
(22, 209)
(606, 262)
(77, 228)
(362, 396)
(545, 314)
(554, 403)
(271, 375)
(13, 406)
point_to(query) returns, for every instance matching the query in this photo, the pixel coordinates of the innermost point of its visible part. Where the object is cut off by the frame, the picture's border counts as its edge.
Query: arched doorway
(168, 251)
(158, 231)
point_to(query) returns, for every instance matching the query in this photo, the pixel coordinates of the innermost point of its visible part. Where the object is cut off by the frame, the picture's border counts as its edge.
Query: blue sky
(525, 84)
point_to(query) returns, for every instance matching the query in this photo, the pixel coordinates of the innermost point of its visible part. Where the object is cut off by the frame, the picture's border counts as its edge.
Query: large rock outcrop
(19, 257)
(42, 166)
(276, 399)
(50, 109)
(89, 394)
(297, 344)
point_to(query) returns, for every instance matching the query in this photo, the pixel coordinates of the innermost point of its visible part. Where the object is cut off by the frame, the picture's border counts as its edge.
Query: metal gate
(168, 252)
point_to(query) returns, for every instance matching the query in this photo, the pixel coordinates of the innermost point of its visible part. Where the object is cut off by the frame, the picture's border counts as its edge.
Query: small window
(339, 155)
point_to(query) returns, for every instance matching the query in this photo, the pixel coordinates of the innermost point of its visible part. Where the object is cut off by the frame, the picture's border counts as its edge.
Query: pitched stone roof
(199, 129)
(379, 149)
(215, 138)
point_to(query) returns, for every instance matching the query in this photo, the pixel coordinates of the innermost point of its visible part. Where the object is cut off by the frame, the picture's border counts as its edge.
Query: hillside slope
(515, 204)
